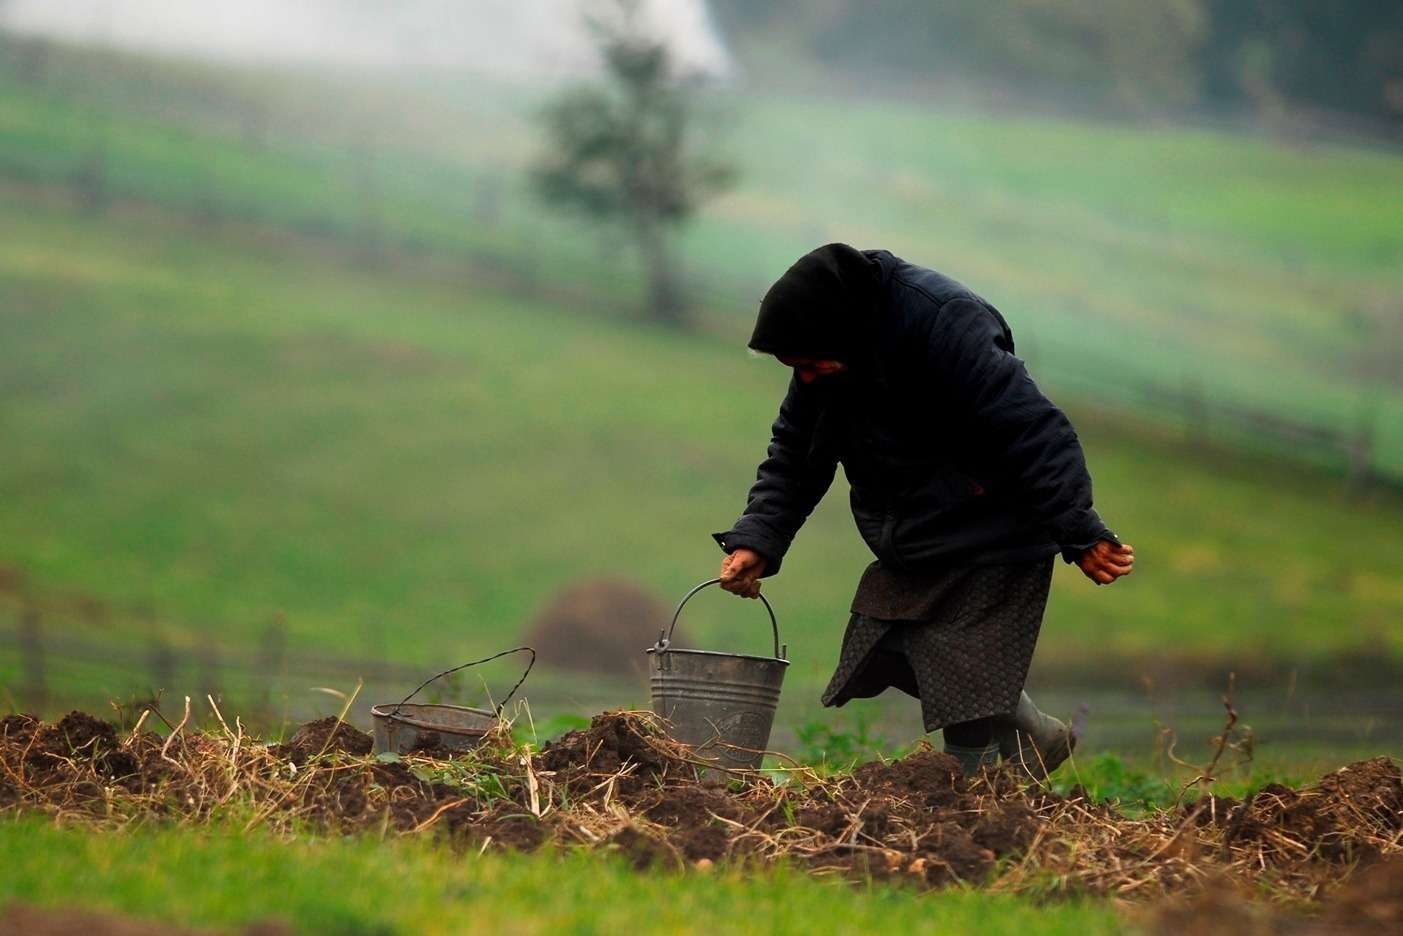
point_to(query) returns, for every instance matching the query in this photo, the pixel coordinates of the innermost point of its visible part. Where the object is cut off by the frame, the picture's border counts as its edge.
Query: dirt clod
(19, 727)
(598, 626)
(704, 842)
(926, 777)
(643, 850)
(327, 735)
(509, 827)
(76, 741)
(611, 741)
(1345, 818)
(693, 805)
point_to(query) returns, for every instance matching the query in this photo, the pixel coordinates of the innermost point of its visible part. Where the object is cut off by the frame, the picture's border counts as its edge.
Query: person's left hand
(1105, 562)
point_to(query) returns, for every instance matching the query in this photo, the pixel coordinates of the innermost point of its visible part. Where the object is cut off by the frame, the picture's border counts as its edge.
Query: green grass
(1136, 254)
(406, 461)
(360, 887)
(1266, 272)
(220, 405)
(404, 453)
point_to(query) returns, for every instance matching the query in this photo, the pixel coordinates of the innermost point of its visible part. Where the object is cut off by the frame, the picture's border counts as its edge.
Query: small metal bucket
(722, 704)
(404, 727)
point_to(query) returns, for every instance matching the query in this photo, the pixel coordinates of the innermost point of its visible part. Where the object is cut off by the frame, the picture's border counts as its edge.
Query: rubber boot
(973, 759)
(1034, 742)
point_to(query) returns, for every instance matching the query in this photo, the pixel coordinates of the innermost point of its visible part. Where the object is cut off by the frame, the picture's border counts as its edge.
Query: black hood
(821, 307)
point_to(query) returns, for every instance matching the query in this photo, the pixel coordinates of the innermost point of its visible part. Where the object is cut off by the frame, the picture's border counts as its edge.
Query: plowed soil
(622, 786)
(328, 735)
(36, 921)
(1370, 903)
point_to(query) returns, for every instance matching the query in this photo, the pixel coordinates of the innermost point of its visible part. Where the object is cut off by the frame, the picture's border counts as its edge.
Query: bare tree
(622, 151)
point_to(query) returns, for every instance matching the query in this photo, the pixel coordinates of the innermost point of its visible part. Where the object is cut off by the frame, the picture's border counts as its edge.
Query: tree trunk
(665, 303)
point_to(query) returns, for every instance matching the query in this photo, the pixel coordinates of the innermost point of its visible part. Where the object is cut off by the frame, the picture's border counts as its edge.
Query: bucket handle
(500, 705)
(665, 639)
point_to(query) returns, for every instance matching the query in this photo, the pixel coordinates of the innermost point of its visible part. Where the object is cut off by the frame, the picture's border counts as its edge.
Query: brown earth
(12, 580)
(598, 626)
(48, 747)
(1280, 822)
(622, 786)
(35, 921)
(1369, 903)
(329, 735)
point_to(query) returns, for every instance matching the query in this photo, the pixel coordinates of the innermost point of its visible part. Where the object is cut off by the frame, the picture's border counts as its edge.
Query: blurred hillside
(1213, 282)
(298, 348)
(1319, 65)
(211, 434)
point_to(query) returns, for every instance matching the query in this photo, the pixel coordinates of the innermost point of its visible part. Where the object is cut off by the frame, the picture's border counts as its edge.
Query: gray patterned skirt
(960, 639)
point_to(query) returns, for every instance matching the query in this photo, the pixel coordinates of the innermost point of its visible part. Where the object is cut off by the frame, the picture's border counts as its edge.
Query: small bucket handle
(665, 639)
(500, 705)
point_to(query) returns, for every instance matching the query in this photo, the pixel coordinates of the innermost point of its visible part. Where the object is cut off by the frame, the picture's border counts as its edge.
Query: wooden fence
(1207, 418)
(264, 682)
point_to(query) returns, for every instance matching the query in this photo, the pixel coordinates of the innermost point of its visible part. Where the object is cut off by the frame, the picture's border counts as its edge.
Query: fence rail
(1207, 417)
(267, 690)
(51, 666)
(513, 260)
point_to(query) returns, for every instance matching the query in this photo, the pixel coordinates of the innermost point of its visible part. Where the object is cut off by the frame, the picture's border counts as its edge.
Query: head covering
(820, 307)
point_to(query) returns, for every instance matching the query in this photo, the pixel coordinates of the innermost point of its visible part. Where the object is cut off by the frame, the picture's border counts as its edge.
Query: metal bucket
(722, 704)
(404, 727)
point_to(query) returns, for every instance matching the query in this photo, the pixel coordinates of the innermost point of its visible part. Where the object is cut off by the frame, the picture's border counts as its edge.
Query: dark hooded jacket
(952, 453)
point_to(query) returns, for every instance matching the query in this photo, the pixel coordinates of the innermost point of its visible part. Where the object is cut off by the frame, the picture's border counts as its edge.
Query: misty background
(529, 40)
(309, 378)
(1306, 61)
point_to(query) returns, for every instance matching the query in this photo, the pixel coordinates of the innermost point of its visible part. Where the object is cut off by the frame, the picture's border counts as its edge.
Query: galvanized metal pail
(410, 726)
(404, 727)
(723, 704)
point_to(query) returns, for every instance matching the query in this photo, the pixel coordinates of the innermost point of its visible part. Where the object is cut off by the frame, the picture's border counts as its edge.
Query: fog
(521, 39)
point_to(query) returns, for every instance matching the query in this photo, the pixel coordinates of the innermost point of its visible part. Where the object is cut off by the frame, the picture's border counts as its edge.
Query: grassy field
(223, 878)
(406, 460)
(1265, 273)
(324, 362)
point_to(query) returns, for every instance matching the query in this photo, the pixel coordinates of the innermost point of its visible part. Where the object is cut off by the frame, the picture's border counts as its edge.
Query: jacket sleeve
(1028, 440)
(788, 485)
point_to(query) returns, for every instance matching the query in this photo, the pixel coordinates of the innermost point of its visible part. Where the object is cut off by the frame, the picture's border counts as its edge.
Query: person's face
(810, 369)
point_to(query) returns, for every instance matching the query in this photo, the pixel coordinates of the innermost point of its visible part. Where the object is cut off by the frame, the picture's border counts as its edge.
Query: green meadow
(1261, 273)
(221, 878)
(305, 349)
(320, 357)
(406, 462)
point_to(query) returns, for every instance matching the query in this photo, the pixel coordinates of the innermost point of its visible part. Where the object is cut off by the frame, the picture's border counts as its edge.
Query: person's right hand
(741, 571)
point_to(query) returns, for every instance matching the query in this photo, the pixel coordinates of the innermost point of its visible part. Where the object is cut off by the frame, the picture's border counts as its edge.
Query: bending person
(966, 483)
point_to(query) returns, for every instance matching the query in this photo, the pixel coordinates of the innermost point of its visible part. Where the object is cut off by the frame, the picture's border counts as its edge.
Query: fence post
(90, 181)
(487, 200)
(1359, 450)
(370, 204)
(162, 667)
(272, 660)
(209, 673)
(31, 641)
(1195, 411)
